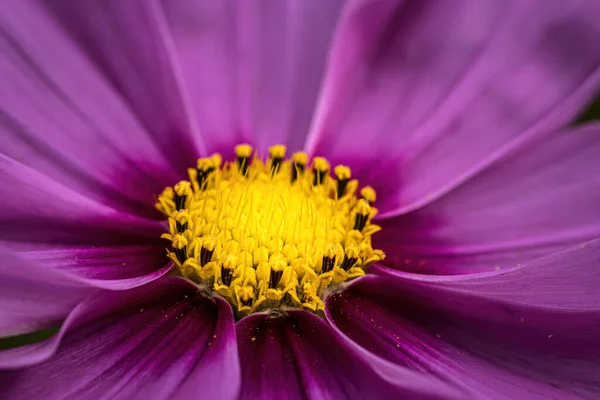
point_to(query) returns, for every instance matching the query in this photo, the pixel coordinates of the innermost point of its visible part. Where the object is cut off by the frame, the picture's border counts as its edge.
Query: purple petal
(542, 199)
(131, 45)
(38, 209)
(34, 297)
(62, 116)
(555, 297)
(374, 315)
(298, 356)
(427, 93)
(164, 340)
(55, 226)
(253, 69)
(114, 267)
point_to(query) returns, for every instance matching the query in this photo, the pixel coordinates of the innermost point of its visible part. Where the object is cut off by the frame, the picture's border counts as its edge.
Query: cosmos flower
(406, 214)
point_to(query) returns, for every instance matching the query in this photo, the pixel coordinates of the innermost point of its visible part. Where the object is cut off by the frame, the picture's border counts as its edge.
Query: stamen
(263, 233)
(243, 152)
(362, 215)
(350, 258)
(299, 161)
(277, 154)
(208, 248)
(368, 193)
(182, 191)
(343, 176)
(320, 169)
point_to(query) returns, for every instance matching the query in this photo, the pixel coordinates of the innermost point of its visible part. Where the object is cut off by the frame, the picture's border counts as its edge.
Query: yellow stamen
(267, 233)
(368, 193)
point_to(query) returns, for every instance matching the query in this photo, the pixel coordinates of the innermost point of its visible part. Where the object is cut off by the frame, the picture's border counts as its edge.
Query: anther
(351, 257)
(343, 176)
(246, 295)
(328, 263)
(226, 275)
(182, 191)
(329, 257)
(320, 169)
(274, 278)
(368, 193)
(181, 254)
(362, 215)
(182, 219)
(179, 243)
(227, 268)
(299, 161)
(207, 250)
(277, 263)
(207, 166)
(243, 152)
(276, 153)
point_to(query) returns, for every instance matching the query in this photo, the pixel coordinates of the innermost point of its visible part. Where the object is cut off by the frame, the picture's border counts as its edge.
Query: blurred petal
(164, 340)
(129, 42)
(298, 356)
(34, 297)
(555, 297)
(56, 227)
(540, 200)
(427, 93)
(374, 315)
(253, 69)
(60, 116)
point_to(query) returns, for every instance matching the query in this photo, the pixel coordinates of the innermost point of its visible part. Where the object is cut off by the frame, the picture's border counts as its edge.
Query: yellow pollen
(243, 150)
(342, 172)
(270, 233)
(300, 158)
(368, 193)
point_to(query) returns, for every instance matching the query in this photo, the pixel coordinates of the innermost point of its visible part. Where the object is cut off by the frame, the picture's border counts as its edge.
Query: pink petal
(298, 356)
(131, 45)
(61, 116)
(555, 297)
(253, 69)
(114, 267)
(59, 228)
(162, 341)
(38, 209)
(377, 317)
(427, 93)
(541, 199)
(34, 297)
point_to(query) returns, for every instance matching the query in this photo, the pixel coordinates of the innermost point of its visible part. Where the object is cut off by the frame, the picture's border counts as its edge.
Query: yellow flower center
(267, 234)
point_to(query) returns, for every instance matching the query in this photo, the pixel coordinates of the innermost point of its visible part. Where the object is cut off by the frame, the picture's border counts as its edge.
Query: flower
(454, 112)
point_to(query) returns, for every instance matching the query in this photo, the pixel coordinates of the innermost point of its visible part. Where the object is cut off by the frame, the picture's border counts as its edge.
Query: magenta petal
(34, 297)
(38, 209)
(298, 356)
(555, 297)
(374, 315)
(541, 199)
(165, 340)
(130, 43)
(114, 267)
(427, 93)
(253, 68)
(57, 227)
(61, 116)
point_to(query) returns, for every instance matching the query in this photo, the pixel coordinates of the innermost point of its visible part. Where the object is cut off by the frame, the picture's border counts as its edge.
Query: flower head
(299, 199)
